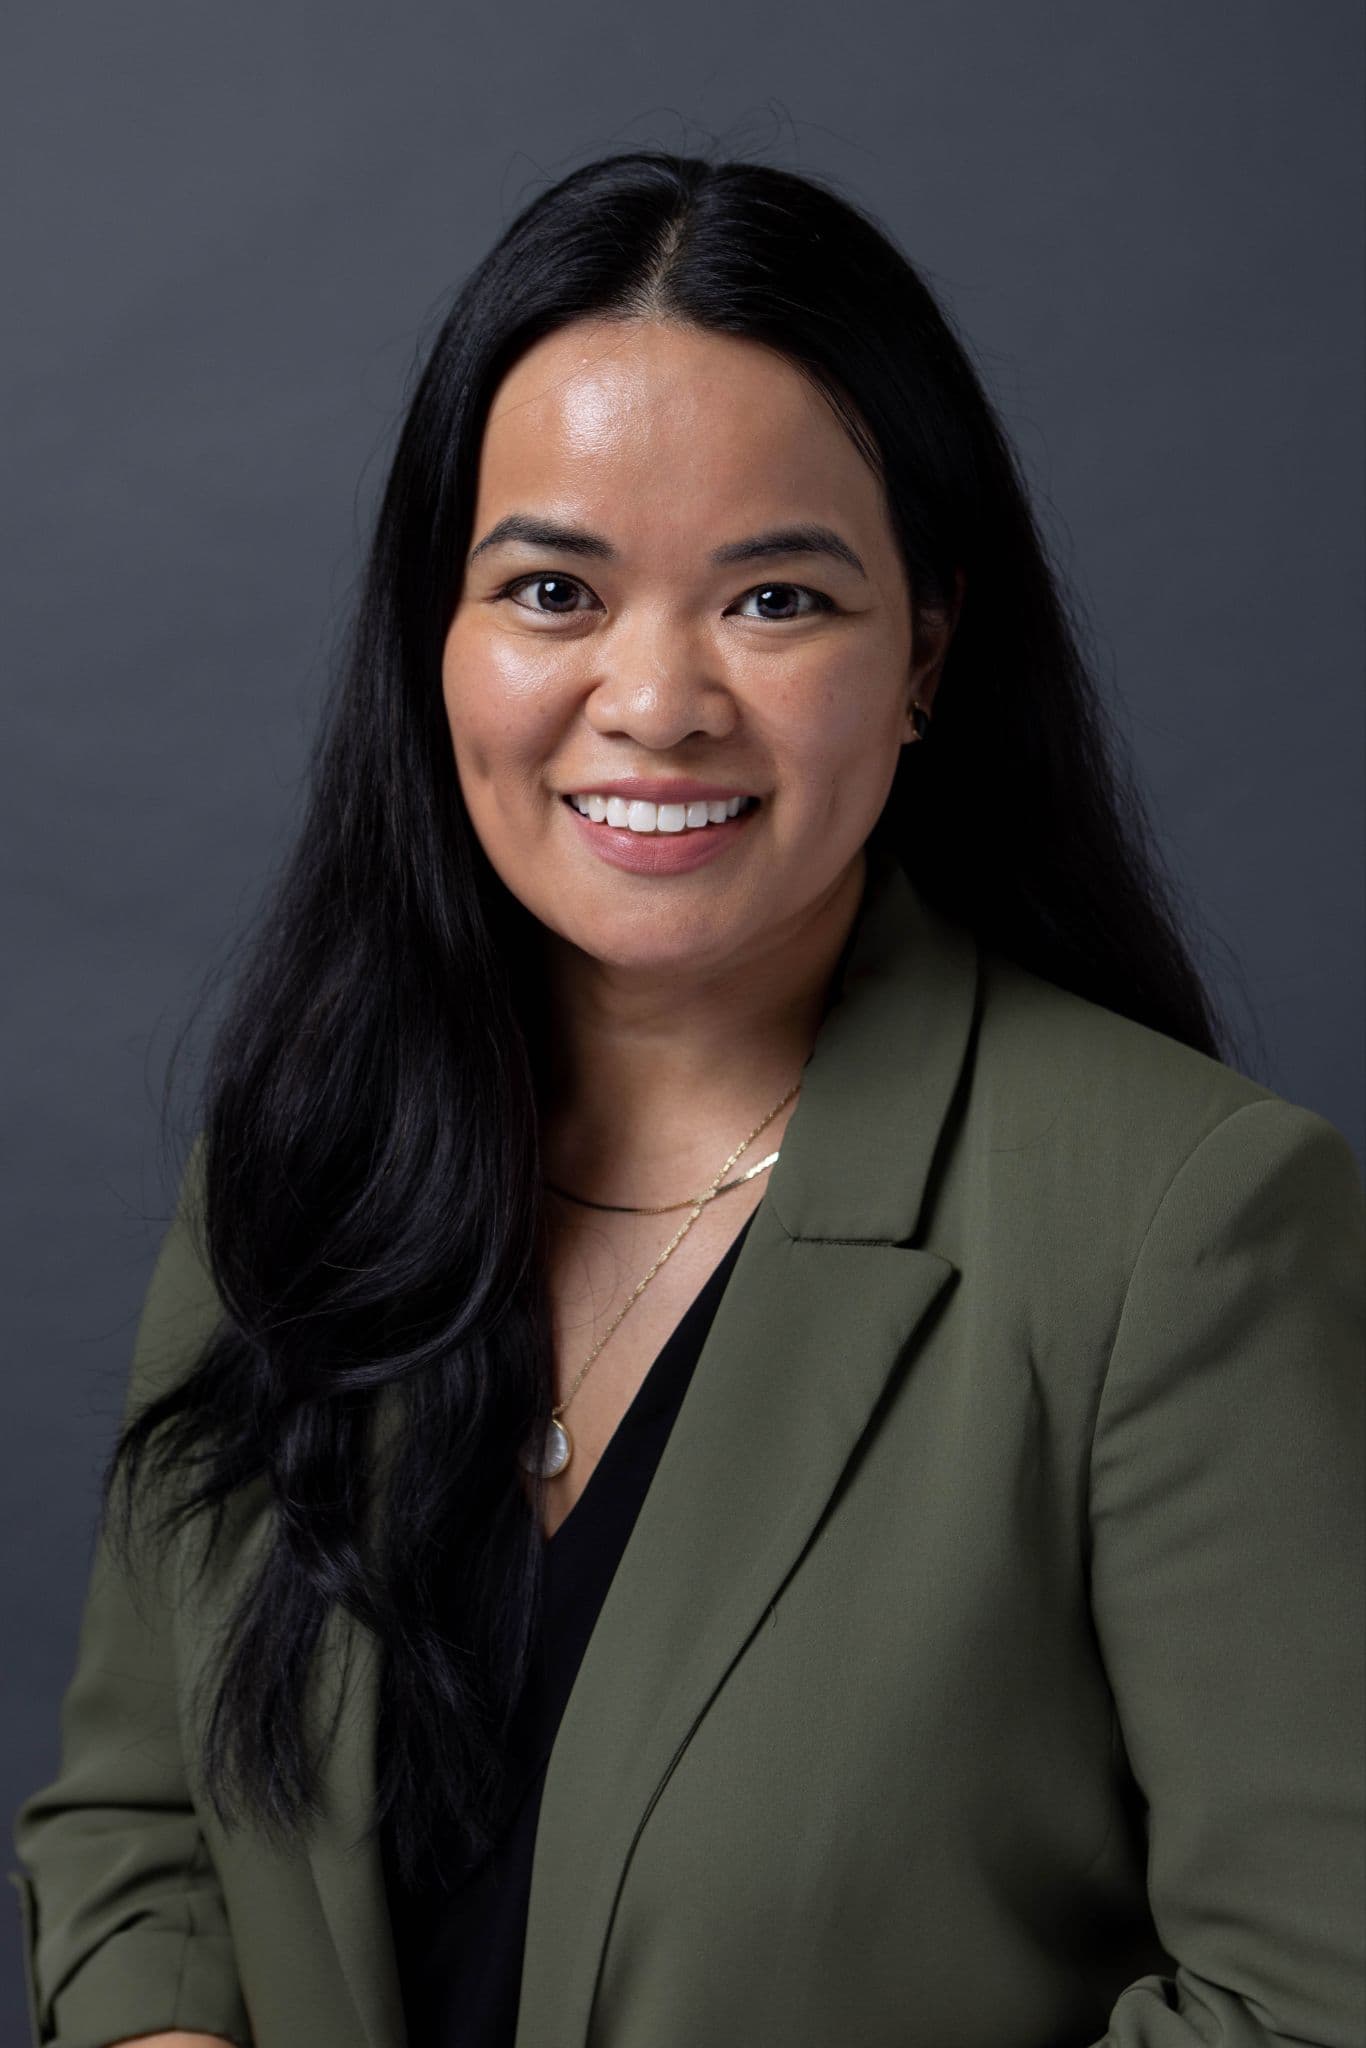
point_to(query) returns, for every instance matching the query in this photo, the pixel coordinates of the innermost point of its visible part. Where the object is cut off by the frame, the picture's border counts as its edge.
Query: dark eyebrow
(778, 541)
(771, 545)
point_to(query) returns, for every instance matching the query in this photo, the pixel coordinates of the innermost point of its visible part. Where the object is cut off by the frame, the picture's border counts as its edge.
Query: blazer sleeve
(123, 1921)
(1228, 1585)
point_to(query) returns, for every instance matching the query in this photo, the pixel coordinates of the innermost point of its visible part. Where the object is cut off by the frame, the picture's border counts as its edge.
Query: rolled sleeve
(1228, 1585)
(124, 1925)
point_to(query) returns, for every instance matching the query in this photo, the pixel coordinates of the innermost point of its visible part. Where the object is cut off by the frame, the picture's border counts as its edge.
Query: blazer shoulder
(1115, 1100)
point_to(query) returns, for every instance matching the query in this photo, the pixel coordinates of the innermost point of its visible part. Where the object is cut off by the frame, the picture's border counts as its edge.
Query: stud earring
(920, 719)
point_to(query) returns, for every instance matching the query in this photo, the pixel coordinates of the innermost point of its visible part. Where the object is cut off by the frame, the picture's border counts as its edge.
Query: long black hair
(371, 1203)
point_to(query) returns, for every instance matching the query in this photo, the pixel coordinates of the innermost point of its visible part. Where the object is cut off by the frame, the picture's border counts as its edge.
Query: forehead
(674, 415)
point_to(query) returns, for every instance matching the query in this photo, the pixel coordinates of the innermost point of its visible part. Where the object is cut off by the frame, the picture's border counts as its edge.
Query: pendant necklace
(559, 1445)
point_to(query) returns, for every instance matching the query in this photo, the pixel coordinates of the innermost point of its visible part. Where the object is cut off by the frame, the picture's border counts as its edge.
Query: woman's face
(624, 644)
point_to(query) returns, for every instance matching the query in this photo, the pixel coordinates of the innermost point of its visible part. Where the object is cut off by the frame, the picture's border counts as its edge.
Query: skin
(173, 2041)
(685, 1004)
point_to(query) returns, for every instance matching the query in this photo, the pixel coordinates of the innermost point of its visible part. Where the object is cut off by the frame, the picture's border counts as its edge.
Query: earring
(920, 719)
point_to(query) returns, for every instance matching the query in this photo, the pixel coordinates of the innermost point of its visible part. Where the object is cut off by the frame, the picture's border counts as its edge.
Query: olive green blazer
(986, 1666)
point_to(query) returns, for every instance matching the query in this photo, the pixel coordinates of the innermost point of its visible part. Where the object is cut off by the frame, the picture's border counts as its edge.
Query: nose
(658, 688)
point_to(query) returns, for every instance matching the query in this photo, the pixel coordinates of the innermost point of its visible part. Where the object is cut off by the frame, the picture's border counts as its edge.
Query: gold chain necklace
(664, 1208)
(559, 1446)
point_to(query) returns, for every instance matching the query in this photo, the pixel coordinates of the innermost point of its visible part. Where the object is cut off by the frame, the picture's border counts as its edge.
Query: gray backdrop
(229, 229)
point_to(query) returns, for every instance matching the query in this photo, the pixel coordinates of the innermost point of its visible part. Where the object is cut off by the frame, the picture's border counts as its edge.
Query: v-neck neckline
(656, 1389)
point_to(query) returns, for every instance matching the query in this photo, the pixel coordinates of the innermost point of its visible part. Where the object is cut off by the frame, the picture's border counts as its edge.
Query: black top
(460, 1949)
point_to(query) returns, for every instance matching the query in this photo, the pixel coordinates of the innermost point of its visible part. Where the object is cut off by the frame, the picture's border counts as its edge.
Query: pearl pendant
(558, 1451)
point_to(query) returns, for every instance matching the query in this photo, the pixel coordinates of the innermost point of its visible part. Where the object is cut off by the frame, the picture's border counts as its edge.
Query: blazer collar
(857, 1154)
(820, 1307)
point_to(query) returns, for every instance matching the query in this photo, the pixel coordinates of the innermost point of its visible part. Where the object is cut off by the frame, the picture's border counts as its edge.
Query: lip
(661, 789)
(657, 853)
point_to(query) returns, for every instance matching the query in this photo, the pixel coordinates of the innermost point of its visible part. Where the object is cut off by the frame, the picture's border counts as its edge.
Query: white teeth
(639, 816)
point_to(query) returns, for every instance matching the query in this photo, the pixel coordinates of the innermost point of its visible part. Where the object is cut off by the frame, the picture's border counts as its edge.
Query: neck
(653, 1077)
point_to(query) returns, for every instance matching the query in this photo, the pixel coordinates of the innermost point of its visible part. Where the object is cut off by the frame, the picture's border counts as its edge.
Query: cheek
(839, 723)
(500, 704)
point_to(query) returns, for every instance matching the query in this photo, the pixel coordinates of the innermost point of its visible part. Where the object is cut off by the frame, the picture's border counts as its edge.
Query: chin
(654, 941)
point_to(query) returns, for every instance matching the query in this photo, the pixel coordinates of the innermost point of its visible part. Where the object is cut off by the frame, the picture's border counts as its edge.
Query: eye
(562, 590)
(765, 592)
(560, 587)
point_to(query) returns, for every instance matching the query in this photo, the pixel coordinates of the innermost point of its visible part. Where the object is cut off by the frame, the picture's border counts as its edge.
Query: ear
(933, 634)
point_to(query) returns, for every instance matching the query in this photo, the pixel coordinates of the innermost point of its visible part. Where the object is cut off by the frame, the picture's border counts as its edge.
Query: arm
(1227, 1495)
(124, 1927)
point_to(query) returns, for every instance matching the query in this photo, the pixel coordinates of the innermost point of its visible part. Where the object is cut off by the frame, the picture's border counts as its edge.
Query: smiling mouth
(660, 820)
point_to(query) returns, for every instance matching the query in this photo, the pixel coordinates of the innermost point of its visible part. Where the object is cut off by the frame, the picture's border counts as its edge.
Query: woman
(744, 1433)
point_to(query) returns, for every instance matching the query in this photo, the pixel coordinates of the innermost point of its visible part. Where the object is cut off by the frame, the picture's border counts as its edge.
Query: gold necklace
(559, 1447)
(633, 1209)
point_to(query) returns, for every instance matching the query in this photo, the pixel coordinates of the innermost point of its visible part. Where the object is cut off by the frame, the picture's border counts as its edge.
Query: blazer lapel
(822, 1304)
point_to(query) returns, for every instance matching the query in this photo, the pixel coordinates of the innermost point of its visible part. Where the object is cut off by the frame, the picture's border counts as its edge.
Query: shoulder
(1040, 1035)
(1105, 1112)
